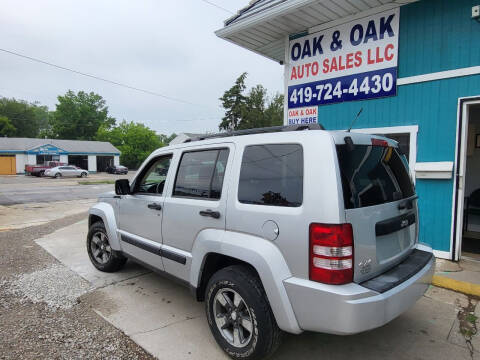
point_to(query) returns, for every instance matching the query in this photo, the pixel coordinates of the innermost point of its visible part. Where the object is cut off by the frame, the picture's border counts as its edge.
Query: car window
(63, 168)
(272, 175)
(200, 174)
(153, 179)
(373, 175)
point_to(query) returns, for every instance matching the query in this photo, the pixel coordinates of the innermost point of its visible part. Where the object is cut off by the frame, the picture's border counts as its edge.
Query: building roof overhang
(262, 26)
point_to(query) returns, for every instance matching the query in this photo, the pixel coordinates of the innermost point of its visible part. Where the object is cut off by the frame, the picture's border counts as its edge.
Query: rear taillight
(331, 253)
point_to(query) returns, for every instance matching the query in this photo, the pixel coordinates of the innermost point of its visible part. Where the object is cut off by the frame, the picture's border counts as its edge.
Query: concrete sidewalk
(463, 276)
(163, 318)
(20, 216)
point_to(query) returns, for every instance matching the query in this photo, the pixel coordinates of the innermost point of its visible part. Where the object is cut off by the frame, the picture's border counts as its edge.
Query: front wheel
(58, 175)
(83, 175)
(101, 254)
(239, 314)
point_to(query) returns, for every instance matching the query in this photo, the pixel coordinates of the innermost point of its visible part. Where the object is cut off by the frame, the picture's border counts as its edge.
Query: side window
(153, 180)
(200, 174)
(272, 175)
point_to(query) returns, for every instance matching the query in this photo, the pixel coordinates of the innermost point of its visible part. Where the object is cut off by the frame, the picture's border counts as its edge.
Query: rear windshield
(373, 175)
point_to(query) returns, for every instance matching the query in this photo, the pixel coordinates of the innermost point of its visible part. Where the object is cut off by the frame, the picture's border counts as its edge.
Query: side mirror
(122, 187)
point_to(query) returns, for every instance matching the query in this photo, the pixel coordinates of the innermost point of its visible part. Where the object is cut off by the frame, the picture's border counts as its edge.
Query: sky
(168, 47)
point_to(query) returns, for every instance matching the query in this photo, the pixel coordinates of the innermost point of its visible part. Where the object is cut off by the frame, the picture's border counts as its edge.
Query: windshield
(373, 175)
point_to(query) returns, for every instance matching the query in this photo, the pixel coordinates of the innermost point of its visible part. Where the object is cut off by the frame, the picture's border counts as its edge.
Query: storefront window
(41, 159)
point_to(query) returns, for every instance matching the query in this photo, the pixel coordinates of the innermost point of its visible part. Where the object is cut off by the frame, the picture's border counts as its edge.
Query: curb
(456, 285)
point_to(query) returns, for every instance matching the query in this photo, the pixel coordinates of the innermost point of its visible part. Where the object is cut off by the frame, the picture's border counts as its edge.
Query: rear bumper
(352, 308)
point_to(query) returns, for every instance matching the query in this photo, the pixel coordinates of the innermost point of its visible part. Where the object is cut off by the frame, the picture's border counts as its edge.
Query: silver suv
(277, 229)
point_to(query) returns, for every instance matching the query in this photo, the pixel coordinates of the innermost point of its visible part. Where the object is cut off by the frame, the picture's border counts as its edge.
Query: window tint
(153, 180)
(272, 175)
(200, 174)
(373, 175)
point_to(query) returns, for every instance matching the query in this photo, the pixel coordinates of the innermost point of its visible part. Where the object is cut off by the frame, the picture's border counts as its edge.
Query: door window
(153, 179)
(272, 175)
(201, 173)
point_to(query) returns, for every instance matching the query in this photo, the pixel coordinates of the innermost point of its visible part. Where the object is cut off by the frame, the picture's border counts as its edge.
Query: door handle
(210, 213)
(154, 206)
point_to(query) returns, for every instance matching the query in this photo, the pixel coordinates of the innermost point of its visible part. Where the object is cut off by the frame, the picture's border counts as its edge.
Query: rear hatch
(380, 202)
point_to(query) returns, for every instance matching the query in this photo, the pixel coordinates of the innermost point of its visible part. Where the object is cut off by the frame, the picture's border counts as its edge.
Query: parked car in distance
(39, 170)
(278, 229)
(117, 169)
(66, 171)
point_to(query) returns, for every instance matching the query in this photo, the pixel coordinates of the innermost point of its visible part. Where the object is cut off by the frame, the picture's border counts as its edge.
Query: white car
(66, 171)
(285, 228)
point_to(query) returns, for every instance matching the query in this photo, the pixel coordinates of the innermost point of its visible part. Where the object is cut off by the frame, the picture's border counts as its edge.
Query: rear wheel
(239, 314)
(101, 254)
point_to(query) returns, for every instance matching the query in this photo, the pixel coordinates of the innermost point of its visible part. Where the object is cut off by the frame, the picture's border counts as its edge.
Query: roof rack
(263, 130)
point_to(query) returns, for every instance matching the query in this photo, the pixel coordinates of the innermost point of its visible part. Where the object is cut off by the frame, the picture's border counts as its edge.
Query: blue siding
(437, 35)
(434, 36)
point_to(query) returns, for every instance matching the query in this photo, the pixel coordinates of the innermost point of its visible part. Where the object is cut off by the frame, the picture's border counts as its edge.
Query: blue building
(414, 69)
(94, 156)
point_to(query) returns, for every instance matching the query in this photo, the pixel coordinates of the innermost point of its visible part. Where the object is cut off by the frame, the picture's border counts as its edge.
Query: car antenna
(356, 117)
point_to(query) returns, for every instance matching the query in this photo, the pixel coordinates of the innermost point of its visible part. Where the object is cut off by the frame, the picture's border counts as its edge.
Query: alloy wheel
(232, 317)
(100, 248)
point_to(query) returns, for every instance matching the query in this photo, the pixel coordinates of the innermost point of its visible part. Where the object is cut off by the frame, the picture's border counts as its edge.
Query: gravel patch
(32, 330)
(56, 286)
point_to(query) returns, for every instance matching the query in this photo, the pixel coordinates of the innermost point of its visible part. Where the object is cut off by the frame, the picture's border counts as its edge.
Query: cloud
(167, 47)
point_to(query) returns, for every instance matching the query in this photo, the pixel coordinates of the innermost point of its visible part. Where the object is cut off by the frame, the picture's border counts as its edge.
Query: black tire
(265, 335)
(83, 175)
(115, 260)
(58, 175)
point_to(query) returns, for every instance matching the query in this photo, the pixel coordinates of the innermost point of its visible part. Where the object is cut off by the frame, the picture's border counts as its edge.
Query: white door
(459, 175)
(140, 213)
(196, 202)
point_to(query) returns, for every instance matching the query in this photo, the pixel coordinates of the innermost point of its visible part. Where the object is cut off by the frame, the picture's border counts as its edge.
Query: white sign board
(354, 61)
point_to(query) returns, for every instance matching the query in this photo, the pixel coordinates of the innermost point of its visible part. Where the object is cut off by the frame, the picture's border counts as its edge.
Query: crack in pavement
(163, 326)
(468, 323)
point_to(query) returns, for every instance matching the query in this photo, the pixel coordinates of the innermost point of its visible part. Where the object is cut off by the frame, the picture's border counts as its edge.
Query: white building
(93, 156)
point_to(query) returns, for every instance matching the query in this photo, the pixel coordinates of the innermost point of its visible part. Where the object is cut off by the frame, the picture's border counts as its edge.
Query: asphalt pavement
(22, 189)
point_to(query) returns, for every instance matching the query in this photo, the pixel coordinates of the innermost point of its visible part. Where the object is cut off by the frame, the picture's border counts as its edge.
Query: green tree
(274, 111)
(249, 111)
(21, 115)
(6, 127)
(166, 139)
(135, 141)
(79, 116)
(42, 118)
(233, 101)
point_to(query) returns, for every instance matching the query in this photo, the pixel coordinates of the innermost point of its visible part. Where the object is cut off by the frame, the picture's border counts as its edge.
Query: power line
(98, 78)
(218, 6)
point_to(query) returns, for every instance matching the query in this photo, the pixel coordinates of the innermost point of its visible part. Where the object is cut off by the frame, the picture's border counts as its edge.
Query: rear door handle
(154, 206)
(210, 213)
